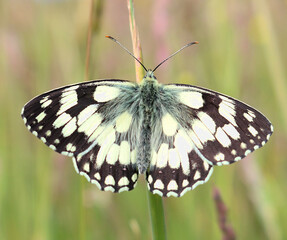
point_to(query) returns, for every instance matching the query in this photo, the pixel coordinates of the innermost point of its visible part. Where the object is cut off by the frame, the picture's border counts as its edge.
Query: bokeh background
(242, 53)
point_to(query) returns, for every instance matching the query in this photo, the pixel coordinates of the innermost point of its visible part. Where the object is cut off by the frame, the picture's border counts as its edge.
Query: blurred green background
(242, 53)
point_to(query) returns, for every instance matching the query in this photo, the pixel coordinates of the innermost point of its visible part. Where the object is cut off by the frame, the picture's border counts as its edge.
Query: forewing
(223, 129)
(95, 123)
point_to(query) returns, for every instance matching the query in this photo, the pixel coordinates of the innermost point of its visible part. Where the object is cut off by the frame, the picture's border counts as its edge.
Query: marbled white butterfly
(174, 133)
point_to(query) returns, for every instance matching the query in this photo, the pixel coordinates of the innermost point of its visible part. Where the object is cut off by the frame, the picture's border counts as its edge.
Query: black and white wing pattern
(92, 122)
(198, 129)
(175, 134)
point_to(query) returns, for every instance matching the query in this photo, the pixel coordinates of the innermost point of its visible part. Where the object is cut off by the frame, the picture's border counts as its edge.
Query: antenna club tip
(110, 37)
(196, 42)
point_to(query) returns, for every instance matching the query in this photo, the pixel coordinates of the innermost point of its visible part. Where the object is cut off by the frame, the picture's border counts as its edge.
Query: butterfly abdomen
(148, 97)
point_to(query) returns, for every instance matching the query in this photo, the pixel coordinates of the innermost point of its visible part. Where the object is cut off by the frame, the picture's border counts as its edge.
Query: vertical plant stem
(226, 229)
(89, 39)
(156, 212)
(96, 8)
(137, 50)
(156, 209)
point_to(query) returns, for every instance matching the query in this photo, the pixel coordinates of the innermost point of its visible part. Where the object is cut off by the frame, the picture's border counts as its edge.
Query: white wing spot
(43, 139)
(124, 156)
(185, 183)
(156, 191)
(134, 177)
(69, 128)
(252, 114)
(52, 147)
(195, 140)
(70, 147)
(268, 136)
(219, 157)
(86, 113)
(252, 130)
(109, 188)
(85, 175)
(231, 131)
(247, 152)
(105, 146)
(46, 103)
(248, 117)
(110, 180)
(226, 110)
(182, 141)
(90, 125)
(202, 132)
(233, 152)
(207, 121)
(62, 120)
(48, 133)
(162, 156)
(96, 183)
(133, 156)
(158, 184)
(97, 176)
(113, 154)
(173, 158)
(86, 167)
(183, 146)
(205, 165)
(44, 99)
(192, 99)
(105, 93)
(123, 122)
(153, 158)
(169, 125)
(123, 189)
(41, 116)
(197, 175)
(68, 100)
(237, 159)
(123, 181)
(222, 137)
(172, 185)
(243, 145)
(174, 194)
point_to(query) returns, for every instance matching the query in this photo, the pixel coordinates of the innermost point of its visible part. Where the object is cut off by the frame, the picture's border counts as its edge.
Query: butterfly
(174, 134)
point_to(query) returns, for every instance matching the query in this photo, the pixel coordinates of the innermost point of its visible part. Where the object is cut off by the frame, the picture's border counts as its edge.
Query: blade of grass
(272, 53)
(137, 50)
(226, 229)
(94, 24)
(156, 209)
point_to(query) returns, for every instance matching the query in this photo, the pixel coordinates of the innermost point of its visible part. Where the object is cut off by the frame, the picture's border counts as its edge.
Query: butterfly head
(149, 76)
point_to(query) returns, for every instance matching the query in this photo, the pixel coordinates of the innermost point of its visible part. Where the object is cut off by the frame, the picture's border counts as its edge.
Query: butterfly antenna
(185, 46)
(116, 41)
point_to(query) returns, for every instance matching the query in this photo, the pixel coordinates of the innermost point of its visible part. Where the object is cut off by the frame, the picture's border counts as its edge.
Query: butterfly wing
(200, 128)
(92, 122)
